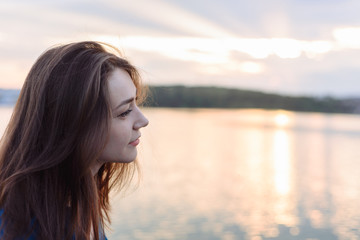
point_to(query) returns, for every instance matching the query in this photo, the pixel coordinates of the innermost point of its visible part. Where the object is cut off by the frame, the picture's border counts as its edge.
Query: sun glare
(282, 162)
(281, 120)
(251, 67)
(286, 48)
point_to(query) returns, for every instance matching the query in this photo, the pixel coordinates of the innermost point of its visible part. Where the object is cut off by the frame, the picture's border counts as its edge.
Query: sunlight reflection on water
(243, 174)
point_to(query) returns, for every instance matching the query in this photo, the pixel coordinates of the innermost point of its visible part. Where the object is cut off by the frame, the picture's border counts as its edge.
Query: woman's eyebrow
(124, 102)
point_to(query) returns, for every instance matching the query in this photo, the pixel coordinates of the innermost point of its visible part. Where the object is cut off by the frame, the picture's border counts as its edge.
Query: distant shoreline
(217, 97)
(228, 98)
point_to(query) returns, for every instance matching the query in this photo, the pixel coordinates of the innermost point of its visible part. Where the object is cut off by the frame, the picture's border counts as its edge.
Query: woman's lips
(135, 143)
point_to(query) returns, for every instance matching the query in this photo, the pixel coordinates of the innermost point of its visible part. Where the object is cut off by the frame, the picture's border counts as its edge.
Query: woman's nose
(141, 122)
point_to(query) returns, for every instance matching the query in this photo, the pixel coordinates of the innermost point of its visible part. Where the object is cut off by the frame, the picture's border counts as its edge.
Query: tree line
(217, 97)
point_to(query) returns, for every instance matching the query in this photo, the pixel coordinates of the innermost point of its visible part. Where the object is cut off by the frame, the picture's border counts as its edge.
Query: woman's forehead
(121, 86)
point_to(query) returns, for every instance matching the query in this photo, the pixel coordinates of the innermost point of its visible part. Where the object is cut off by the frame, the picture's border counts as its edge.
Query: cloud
(347, 37)
(273, 46)
(163, 13)
(218, 50)
(13, 73)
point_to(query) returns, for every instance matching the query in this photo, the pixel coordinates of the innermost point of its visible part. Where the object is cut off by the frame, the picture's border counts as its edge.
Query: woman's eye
(124, 114)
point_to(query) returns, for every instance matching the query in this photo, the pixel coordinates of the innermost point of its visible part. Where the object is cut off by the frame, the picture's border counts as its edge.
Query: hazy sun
(281, 120)
(251, 67)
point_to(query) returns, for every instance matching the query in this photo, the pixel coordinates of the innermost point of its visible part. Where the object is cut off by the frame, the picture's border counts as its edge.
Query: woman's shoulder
(1, 227)
(32, 236)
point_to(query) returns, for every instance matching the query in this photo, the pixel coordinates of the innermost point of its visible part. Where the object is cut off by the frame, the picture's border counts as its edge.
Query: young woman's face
(126, 121)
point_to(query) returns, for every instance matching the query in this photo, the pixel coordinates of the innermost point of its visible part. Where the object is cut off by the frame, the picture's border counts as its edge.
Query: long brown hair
(58, 129)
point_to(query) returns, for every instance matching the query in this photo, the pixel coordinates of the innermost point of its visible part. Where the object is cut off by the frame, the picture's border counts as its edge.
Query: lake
(242, 174)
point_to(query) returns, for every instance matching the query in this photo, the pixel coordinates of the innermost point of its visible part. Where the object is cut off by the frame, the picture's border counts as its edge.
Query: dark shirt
(32, 236)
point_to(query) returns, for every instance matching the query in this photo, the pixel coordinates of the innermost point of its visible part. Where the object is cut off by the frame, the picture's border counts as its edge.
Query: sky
(294, 47)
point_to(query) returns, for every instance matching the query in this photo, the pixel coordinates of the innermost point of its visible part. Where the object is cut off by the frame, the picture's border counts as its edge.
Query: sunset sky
(309, 47)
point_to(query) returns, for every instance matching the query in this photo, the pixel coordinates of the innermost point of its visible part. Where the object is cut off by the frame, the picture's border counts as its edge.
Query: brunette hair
(58, 129)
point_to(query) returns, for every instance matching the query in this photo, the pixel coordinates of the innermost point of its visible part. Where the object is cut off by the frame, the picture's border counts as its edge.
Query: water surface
(243, 174)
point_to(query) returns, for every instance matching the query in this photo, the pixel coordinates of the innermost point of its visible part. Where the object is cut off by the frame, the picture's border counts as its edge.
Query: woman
(71, 139)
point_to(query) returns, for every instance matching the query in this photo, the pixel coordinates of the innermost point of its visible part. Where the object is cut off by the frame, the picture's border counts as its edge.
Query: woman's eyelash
(124, 114)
